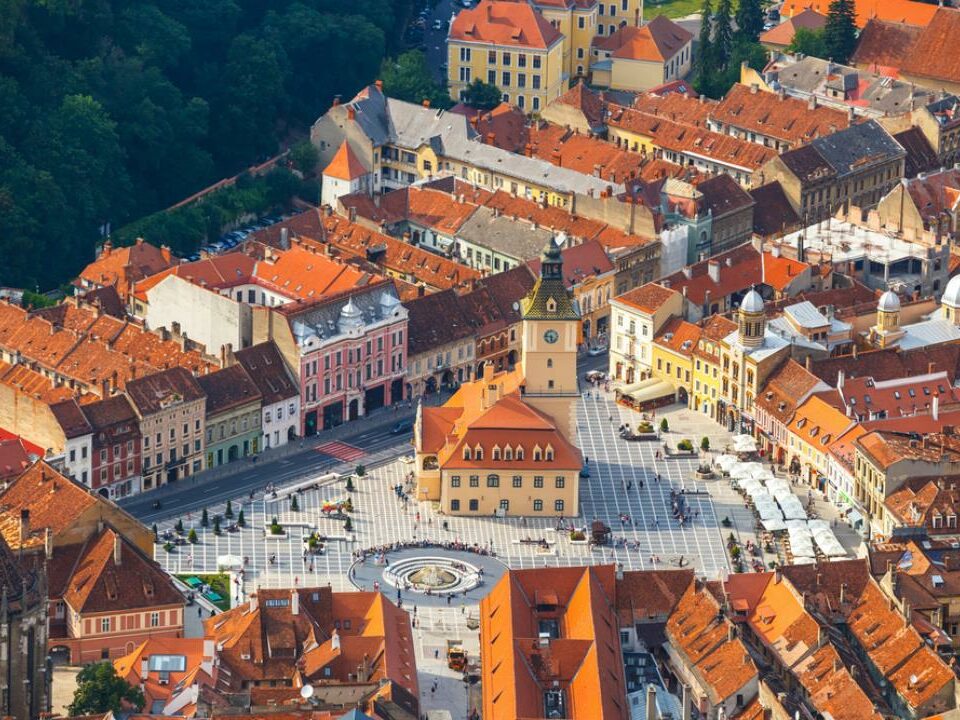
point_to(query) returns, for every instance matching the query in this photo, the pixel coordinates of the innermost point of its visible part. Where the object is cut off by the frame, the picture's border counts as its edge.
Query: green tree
(664, 425)
(348, 524)
(241, 521)
(216, 524)
(100, 690)
(304, 156)
(156, 533)
(204, 518)
(723, 33)
(705, 443)
(840, 31)
(228, 513)
(749, 17)
(809, 42)
(294, 503)
(408, 77)
(192, 537)
(704, 64)
(360, 471)
(482, 96)
(179, 526)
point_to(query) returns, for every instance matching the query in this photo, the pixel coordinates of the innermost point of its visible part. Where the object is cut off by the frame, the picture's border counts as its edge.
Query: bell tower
(550, 329)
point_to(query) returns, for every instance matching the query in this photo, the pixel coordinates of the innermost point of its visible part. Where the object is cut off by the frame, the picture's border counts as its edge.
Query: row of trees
(113, 109)
(728, 38)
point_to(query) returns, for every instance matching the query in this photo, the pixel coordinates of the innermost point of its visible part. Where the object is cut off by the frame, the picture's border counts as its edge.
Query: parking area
(622, 491)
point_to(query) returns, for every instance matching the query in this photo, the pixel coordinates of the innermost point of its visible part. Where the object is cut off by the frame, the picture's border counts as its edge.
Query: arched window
(466, 452)
(478, 453)
(537, 454)
(548, 454)
(508, 453)
(519, 452)
(495, 453)
(549, 362)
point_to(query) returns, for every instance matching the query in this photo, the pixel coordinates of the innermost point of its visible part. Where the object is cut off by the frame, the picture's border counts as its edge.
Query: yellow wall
(672, 367)
(629, 140)
(706, 383)
(635, 75)
(521, 499)
(475, 56)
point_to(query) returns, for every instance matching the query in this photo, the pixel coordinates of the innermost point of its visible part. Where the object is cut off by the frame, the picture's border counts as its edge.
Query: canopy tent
(825, 539)
(792, 507)
(773, 525)
(649, 389)
(744, 444)
(725, 462)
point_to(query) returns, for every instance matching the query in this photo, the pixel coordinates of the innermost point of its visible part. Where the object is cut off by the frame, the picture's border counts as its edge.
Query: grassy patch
(219, 583)
(671, 8)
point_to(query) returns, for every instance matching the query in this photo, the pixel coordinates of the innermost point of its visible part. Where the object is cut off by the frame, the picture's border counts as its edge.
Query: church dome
(951, 295)
(889, 302)
(752, 302)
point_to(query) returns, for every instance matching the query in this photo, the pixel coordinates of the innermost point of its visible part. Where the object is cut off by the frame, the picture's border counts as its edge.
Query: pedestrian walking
(200, 613)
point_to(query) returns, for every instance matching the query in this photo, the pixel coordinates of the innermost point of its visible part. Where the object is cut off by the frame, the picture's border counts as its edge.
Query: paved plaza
(644, 530)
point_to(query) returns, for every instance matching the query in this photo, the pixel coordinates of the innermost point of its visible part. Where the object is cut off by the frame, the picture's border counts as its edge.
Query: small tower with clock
(551, 323)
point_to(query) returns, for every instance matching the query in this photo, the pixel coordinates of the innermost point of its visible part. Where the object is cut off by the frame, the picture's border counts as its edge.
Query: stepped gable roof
(228, 388)
(268, 370)
(507, 24)
(345, 165)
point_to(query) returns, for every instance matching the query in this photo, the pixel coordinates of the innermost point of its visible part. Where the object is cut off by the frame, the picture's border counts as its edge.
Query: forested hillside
(111, 109)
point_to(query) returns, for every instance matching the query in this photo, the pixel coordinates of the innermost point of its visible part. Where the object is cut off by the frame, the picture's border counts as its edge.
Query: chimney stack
(294, 602)
(652, 702)
(24, 525)
(48, 544)
(117, 546)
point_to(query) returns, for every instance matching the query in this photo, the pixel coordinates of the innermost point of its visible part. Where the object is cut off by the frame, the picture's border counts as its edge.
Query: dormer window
(519, 452)
(508, 453)
(478, 453)
(537, 453)
(466, 452)
(495, 452)
(551, 305)
(548, 454)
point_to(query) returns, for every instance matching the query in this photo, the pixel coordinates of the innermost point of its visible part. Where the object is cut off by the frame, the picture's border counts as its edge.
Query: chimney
(843, 593)
(253, 600)
(935, 407)
(713, 270)
(48, 544)
(812, 103)
(491, 138)
(379, 84)
(351, 113)
(335, 640)
(24, 525)
(144, 669)
(837, 664)
(426, 102)
(336, 100)
(687, 272)
(777, 576)
(619, 575)
(294, 602)
(731, 632)
(821, 636)
(840, 378)
(117, 545)
(687, 700)
(754, 88)
(652, 702)
(284, 238)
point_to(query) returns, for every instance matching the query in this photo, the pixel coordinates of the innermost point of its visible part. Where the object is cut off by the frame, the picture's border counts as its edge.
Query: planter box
(643, 436)
(682, 454)
(579, 542)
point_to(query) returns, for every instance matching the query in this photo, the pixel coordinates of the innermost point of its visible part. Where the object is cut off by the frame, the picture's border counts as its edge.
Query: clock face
(551, 336)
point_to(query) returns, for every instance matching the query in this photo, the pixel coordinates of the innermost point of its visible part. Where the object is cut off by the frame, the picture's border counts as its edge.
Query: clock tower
(551, 324)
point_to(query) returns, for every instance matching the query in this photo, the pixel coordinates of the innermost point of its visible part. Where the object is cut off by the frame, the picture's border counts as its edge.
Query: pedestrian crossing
(341, 451)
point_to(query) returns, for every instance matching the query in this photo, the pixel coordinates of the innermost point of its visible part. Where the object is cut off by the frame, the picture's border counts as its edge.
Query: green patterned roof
(536, 305)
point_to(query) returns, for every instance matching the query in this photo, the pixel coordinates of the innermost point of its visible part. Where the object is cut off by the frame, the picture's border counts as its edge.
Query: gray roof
(928, 332)
(857, 146)
(503, 234)
(323, 321)
(805, 314)
(390, 121)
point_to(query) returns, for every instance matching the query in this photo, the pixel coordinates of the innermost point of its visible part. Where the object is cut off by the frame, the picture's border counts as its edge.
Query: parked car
(594, 375)
(595, 351)
(438, 24)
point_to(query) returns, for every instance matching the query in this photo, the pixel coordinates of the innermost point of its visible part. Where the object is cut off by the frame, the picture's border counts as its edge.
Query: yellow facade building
(707, 380)
(506, 444)
(510, 45)
(576, 20)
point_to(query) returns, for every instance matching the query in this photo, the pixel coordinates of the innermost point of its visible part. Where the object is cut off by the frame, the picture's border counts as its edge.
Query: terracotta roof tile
(504, 24)
(884, 44)
(268, 370)
(589, 102)
(782, 33)
(122, 266)
(932, 55)
(773, 212)
(228, 388)
(658, 41)
(788, 385)
(916, 13)
(345, 165)
(740, 269)
(647, 298)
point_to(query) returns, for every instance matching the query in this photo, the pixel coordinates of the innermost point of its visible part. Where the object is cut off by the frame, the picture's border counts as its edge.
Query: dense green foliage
(113, 109)
(749, 18)
(840, 32)
(482, 96)
(721, 50)
(408, 78)
(809, 42)
(99, 690)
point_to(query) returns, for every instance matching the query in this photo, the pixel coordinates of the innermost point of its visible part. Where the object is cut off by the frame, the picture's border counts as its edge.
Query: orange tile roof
(647, 298)
(934, 55)
(785, 118)
(740, 269)
(884, 45)
(432, 208)
(698, 630)
(908, 11)
(584, 660)
(782, 33)
(35, 385)
(818, 423)
(345, 164)
(588, 155)
(506, 24)
(589, 102)
(677, 107)
(679, 336)
(788, 385)
(658, 41)
(119, 267)
(198, 669)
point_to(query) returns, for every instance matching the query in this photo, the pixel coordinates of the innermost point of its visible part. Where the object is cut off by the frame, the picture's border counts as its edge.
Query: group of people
(458, 545)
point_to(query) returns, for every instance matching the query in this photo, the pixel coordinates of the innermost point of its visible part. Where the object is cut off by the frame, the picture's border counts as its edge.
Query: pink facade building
(349, 351)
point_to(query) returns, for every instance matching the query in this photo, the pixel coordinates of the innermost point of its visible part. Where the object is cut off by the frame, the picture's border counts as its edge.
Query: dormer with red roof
(344, 175)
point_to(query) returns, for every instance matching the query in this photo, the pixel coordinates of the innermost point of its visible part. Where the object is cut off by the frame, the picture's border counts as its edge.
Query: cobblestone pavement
(379, 518)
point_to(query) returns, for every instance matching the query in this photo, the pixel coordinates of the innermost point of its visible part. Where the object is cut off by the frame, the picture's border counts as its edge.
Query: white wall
(205, 316)
(80, 467)
(281, 419)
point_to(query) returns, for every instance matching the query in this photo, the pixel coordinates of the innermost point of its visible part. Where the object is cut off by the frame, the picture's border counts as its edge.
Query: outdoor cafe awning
(649, 389)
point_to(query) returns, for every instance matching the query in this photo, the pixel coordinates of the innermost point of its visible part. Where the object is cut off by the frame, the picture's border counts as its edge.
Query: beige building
(506, 444)
(635, 319)
(233, 415)
(577, 22)
(171, 407)
(639, 58)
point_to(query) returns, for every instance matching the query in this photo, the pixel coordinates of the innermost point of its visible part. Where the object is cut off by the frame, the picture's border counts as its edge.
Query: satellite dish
(306, 692)
(516, 306)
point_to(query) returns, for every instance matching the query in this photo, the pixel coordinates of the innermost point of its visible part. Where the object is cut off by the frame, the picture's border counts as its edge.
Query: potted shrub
(664, 425)
(348, 525)
(216, 524)
(348, 505)
(229, 511)
(179, 527)
(204, 518)
(361, 471)
(350, 482)
(156, 533)
(685, 446)
(705, 443)
(578, 536)
(168, 546)
(726, 523)
(275, 527)
(294, 503)
(192, 537)
(241, 521)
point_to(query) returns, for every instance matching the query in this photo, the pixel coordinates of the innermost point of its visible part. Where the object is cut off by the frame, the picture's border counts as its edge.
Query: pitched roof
(883, 44)
(110, 411)
(345, 165)
(933, 54)
(584, 659)
(916, 13)
(424, 333)
(228, 388)
(589, 102)
(647, 298)
(71, 418)
(154, 392)
(505, 126)
(787, 386)
(97, 583)
(580, 263)
(657, 41)
(818, 423)
(198, 667)
(505, 24)
(679, 336)
(779, 271)
(782, 33)
(14, 457)
(722, 195)
(775, 115)
(739, 269)
(266, 367)
(124, 265)
(772, 211)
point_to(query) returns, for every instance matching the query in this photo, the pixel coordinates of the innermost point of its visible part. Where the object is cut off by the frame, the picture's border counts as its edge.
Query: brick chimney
(117, 549)
(24, 525)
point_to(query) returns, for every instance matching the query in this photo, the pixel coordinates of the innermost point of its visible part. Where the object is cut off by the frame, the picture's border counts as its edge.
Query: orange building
(122, 267)
(170, 672)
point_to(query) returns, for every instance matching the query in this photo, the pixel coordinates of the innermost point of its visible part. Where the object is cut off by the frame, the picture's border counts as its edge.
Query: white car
(594, 351)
